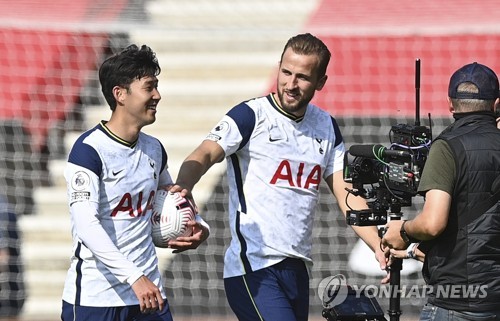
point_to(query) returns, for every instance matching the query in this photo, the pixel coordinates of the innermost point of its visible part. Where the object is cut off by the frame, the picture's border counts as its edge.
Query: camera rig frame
(393, 174)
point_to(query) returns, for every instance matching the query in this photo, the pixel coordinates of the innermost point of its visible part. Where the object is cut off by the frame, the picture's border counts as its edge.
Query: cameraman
(459, 226)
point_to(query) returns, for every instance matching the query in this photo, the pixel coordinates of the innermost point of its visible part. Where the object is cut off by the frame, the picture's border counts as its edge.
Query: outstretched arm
(369, 234)
(191, 171)
(196, 165)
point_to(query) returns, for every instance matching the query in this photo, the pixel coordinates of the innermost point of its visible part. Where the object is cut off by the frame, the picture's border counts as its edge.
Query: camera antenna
(417, 92)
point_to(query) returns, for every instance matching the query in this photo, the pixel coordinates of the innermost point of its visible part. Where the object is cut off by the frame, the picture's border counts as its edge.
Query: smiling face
(298, 79)
(139, 101)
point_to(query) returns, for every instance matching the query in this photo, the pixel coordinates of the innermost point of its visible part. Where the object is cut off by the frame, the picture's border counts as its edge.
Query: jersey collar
(277, 107)
(111, 135)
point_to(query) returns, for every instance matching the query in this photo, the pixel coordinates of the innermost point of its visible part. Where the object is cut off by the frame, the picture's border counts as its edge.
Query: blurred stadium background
(214, 54)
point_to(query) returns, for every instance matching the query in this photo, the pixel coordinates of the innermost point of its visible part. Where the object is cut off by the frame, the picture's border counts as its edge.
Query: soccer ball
(171, 212)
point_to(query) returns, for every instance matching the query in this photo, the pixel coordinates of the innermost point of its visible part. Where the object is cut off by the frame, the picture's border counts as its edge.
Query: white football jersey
(276, 162)
(111, 187)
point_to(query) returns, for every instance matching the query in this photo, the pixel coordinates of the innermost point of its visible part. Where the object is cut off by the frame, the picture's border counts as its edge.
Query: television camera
(391, 174)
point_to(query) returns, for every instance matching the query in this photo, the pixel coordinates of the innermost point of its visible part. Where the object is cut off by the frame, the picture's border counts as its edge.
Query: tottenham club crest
(320, 142)
(152, 164)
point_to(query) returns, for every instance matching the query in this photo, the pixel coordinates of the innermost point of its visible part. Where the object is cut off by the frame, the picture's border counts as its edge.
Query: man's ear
(496, 105)
(450, 105)
(321, 83)
(119, 93)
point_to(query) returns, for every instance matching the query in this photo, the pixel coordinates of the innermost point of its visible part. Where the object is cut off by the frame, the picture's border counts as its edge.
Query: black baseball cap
(483, 77)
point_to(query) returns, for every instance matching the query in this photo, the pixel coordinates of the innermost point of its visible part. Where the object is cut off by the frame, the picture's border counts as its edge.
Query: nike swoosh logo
(273, 139)
(117, 172)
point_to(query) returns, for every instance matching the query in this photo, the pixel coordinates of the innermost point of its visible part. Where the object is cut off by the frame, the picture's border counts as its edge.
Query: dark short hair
(123, 68)
(464, 105)
(307, 44)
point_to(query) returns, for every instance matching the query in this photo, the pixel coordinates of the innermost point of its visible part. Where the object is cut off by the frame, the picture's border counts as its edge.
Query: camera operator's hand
(392, 238)
(383, 260)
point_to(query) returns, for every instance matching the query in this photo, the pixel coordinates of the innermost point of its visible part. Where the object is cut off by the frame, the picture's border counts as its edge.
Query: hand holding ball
(171, 212)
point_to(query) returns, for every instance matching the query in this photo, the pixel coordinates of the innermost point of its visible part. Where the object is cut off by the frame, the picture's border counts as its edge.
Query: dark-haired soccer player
(112, 174)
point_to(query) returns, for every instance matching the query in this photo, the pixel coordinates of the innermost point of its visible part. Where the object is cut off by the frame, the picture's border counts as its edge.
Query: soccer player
(278, 149)
(112, 174)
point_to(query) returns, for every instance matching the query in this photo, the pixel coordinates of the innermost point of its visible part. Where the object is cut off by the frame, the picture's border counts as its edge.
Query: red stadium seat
(374, 46)
(43, 65)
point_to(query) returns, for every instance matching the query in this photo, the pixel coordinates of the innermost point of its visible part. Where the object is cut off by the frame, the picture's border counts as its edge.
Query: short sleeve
(235, 129)
(439, 170)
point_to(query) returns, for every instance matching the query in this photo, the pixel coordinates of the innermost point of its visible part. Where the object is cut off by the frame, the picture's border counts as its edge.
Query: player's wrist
(200, 220)
(134, 277)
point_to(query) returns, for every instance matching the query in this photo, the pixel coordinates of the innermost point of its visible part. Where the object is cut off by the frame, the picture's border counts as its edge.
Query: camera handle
(395, 284)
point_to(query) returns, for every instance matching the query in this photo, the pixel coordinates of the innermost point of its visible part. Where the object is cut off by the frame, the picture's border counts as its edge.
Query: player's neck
(123, 130)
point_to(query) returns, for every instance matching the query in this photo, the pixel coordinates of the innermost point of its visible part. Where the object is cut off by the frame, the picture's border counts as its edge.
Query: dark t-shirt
(439, 170)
